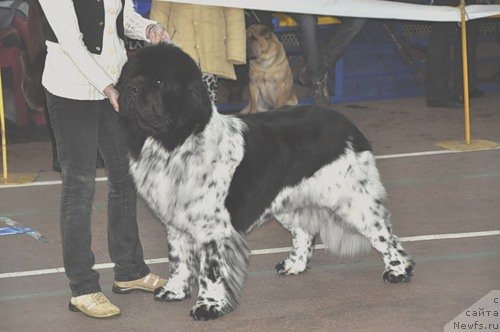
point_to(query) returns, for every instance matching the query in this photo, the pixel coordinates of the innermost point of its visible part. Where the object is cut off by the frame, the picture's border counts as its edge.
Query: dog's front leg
(223, 265)
(280, 95)
(182, 262)
(303, 245)
(252, 106)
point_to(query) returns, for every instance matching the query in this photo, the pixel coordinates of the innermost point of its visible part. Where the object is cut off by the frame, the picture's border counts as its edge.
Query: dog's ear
(198, 93)
(267, 32)
(199, 105)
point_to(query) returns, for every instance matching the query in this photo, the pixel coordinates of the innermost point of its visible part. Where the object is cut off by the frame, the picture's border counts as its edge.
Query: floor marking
(365, 264)
(376, 263)
(449, 236)
(386, 156)
(258, 252)
(427, 153)
(439, 180)
(44, 183)
(33, 233)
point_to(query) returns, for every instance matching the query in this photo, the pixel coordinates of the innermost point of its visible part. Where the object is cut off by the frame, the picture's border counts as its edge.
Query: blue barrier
(142, 6)
(15, 230)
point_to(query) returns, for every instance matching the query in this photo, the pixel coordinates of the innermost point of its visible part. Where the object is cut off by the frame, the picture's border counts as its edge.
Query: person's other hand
(156, 34)
(112, 94)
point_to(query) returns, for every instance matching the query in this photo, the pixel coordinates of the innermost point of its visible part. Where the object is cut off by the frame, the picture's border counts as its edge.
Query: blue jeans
(80, 128)
(318, 57)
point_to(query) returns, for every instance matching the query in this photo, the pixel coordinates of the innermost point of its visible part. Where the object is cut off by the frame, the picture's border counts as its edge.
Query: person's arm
(62, 18)
(140, 28)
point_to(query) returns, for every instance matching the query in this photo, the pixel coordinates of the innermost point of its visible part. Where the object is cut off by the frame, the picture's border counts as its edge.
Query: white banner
(359, 8)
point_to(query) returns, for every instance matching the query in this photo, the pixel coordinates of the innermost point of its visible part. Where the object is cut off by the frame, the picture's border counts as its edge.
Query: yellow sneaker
(148, 283)
(94, 305)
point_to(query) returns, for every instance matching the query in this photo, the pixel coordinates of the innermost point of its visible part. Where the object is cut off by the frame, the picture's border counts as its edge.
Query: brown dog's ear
(266, 32)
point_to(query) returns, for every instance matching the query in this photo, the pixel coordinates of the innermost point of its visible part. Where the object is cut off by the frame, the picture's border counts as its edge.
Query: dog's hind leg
(398, 265)
(372, 220)
(223, 264)
(359, 214)
(182, 265)
(303, 244)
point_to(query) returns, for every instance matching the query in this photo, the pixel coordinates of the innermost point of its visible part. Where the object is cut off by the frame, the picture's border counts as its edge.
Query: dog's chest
(192, 181)
(262, 77)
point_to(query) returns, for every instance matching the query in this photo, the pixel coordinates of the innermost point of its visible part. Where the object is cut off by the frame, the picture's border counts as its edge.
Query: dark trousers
(472, 33)
(318, 57)
(80, 128)
(441, 69)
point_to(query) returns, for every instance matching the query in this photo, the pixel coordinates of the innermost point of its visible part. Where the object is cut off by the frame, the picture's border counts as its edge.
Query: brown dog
(270, 76)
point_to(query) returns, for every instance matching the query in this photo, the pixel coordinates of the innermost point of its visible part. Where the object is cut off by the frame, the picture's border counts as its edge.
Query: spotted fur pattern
(211, 83)
(303, 245)
(211, 178)
(186, 188)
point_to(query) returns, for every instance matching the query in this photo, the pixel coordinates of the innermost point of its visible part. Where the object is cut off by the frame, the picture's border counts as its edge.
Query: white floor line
(428, 153)
(386, 156)
(257, 252)
(43, 183)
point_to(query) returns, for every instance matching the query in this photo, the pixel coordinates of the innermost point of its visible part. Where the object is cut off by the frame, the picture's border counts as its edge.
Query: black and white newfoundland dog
(210, 178)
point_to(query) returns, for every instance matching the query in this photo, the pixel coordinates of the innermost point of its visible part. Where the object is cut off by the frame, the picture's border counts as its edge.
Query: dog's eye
(160, 83)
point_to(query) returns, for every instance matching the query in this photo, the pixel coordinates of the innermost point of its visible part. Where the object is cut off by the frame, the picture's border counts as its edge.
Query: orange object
(286, 20)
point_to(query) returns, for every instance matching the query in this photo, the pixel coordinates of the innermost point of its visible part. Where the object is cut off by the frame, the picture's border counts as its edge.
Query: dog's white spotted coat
(187, 188)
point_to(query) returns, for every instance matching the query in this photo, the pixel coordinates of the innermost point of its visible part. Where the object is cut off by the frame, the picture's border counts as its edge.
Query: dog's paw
(168, 295)
(395, 277)
(290, 267)
(206, 311)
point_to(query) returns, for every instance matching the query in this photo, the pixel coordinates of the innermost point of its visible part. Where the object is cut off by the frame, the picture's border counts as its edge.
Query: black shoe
(320, 91)
(444, 103)
(475, 92)
(55, 161)
(99, 161)
(496, 76)
(303, 77)
(56, 167)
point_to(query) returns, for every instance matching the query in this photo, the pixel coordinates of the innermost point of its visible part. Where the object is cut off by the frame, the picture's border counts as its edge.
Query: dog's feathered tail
(340, 240)
(336, 235)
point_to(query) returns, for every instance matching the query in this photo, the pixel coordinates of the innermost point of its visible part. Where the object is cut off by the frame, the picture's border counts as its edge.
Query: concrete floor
(428, 194)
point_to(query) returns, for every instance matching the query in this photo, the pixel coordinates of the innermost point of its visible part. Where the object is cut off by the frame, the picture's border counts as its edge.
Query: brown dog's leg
(254, 99)
(282, 95)
(293, 100)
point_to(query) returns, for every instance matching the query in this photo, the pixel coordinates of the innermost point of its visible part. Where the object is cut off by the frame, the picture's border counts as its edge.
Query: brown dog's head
(260, 38)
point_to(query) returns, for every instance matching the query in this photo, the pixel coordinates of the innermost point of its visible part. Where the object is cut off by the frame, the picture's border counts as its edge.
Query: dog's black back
(281, 148)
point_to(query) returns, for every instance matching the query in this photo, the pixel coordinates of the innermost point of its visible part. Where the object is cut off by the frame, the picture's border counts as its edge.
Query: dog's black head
(162, 94)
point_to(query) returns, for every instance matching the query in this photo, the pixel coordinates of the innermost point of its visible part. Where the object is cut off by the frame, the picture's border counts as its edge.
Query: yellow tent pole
(2, 124)
(465, 72)
(468, 145)
(12, 178)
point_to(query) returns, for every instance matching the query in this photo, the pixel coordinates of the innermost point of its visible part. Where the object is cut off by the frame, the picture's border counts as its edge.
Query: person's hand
(156, 33)
(112, 94)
